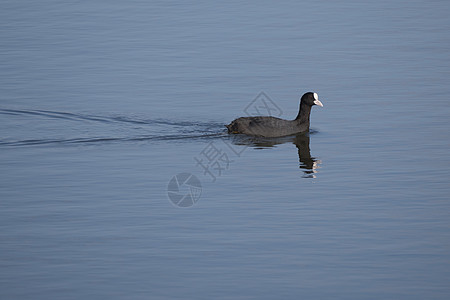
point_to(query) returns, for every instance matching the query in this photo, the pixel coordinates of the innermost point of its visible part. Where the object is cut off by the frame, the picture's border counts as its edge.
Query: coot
(274, 127)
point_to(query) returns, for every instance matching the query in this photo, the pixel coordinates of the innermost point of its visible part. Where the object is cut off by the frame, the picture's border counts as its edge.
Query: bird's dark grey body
(275, 127)
(266, 126)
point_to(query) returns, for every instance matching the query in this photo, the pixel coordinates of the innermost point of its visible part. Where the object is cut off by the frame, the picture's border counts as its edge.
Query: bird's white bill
(317, 102)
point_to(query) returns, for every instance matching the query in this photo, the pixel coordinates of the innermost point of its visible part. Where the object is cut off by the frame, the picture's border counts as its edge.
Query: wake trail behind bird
(44, 132)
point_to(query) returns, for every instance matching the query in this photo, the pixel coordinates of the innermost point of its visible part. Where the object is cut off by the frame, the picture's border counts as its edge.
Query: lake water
(118, 180)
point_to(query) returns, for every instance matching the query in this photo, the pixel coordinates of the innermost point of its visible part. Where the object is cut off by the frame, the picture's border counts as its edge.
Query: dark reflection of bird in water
(308, 163)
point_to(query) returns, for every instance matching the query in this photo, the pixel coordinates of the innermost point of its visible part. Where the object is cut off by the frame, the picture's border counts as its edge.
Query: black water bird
(275, 127)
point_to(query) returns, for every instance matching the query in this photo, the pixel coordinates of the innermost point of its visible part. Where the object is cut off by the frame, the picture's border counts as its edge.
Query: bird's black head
(311, 99)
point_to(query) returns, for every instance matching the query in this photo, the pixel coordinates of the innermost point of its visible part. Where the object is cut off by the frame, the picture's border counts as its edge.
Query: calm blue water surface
(102, 104)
